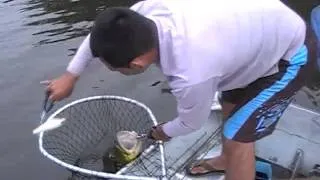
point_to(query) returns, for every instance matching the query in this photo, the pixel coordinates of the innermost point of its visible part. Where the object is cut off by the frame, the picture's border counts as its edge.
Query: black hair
(120, 34)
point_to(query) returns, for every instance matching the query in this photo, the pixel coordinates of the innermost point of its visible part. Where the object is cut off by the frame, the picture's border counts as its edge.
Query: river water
(37, 40)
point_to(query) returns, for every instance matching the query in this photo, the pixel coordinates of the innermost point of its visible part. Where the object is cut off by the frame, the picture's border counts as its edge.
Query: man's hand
(61, 87)
(157, 133)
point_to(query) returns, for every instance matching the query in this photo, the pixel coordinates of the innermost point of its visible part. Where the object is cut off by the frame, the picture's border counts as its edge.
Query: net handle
(46, 106)
(47, 103)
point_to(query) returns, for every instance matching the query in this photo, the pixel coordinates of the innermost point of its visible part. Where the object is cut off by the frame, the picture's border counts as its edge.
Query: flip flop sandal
(204, 165)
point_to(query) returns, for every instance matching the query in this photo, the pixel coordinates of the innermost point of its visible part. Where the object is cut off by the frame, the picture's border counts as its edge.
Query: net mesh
(89, 133)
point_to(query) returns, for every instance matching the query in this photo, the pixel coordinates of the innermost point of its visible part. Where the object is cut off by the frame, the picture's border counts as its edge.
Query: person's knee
(238, 149)
(227, 108)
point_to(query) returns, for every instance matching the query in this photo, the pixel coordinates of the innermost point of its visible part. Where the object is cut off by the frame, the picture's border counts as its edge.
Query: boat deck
(302, 132)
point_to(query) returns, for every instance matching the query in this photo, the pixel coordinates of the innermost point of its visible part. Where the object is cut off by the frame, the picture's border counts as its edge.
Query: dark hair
(119, 35)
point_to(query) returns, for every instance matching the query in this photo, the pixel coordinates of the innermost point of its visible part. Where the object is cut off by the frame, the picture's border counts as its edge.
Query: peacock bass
(127, 147)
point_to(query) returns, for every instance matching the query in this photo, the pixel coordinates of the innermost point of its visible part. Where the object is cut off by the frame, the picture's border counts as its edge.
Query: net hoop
(97, 173)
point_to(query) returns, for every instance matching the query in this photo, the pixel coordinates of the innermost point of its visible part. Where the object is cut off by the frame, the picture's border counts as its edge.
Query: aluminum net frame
(89, 131)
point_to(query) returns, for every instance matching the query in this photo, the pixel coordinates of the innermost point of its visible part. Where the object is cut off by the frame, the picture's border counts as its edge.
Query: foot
(212, 165)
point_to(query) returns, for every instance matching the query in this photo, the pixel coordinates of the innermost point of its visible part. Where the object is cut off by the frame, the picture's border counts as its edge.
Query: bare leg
(240, 161)
(218, 162)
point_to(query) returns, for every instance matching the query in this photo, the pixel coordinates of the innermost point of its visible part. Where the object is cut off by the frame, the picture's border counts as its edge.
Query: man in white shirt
(251, 51)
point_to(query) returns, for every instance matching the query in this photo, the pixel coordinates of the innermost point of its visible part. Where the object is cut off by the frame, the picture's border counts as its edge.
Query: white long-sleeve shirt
(212, 45)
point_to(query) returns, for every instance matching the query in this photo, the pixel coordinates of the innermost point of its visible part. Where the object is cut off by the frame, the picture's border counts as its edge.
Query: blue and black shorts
(260, 105)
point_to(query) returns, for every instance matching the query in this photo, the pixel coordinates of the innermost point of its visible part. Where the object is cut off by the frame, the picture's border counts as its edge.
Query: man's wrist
(157, 133)
(162, 133)
(71, 76)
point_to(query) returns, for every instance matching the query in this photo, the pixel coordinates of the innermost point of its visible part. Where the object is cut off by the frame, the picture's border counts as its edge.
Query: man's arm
(193, 108)
(62, 86)
(81, 59)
